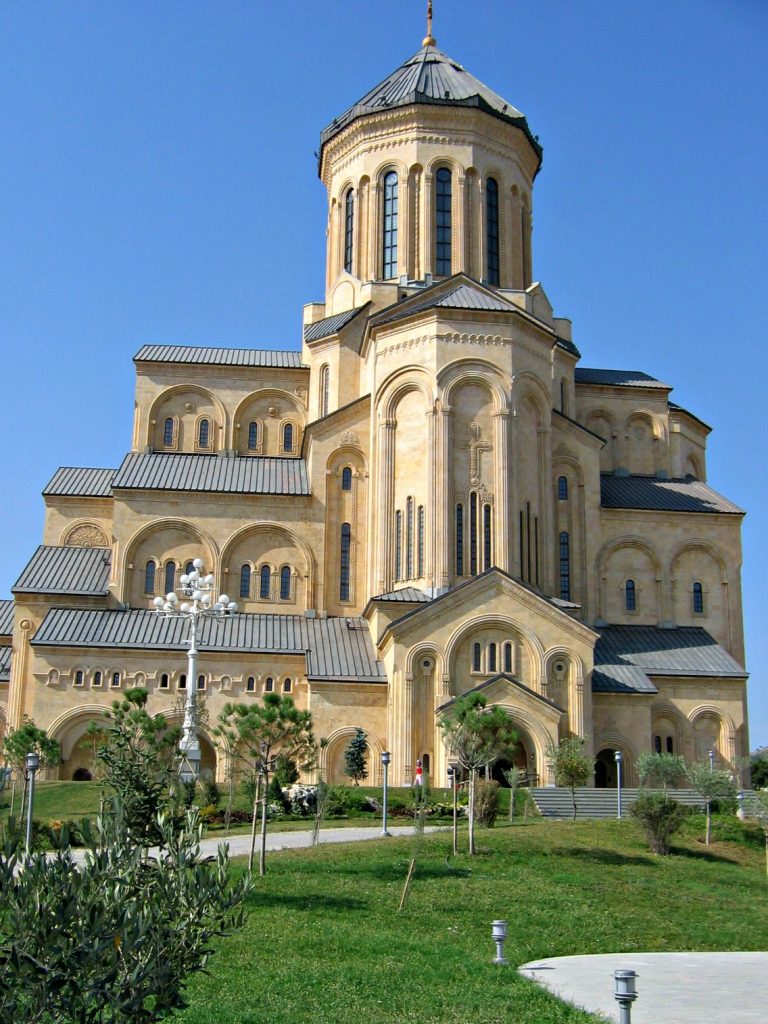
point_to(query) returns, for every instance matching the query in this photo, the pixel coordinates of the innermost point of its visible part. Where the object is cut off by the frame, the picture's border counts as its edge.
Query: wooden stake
(408, 877)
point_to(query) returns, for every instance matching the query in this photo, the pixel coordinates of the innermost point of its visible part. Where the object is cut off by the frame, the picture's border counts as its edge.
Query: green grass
(324, 942)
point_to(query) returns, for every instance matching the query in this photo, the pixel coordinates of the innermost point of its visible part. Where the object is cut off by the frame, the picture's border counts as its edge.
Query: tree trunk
(230, 798)
(708, 835)
(13, 795)
(573, 797)
(254, 811)
(263, 848)
(472, 812)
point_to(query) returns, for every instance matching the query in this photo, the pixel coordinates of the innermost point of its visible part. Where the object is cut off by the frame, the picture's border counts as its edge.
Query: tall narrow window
(565, 567)
(285, 583)
(657, 744)
(420, 543)
(349, 227)
(346, 478)
(563, 397)
(487, 545)
(265, 582)
(670, 745)
(562, 488)
(79, 677)
(168, 432)
(287, 686)
(115, 680)
(492, 230)
(189, 567)
(409, 538)
(443, 222)
(149, 577)
(477, 654)
(245, 581)
(253, 436)
(389, 236)
(630, 596)
(698, 599)
(491, 657)
(170, 576)
(325, 388)
(164, 681)
(473, 534)
(183, 681)
(398, 544)
(508, 657)
(203, 433)
(201, 682)
(288, 437)
(344, 565)
(269, 684)
(97, 678)
(459, 540)
(250, 684)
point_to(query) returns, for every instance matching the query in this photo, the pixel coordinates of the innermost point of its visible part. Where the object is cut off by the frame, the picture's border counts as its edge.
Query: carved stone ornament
(273, 410)
(476, 446)
(87, 536)
(301, 393)
(189, 406)
(350, 437)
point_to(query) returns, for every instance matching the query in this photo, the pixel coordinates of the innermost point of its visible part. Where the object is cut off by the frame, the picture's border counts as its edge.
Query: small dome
(430, 77)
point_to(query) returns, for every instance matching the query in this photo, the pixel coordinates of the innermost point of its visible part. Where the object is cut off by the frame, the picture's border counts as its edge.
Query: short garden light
(624, 993)
(499, 934)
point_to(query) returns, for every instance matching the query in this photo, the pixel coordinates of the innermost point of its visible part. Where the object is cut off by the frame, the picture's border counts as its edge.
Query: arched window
(346, 478)
(288, 437)
(287, 686)
(563, 397)
(245, 581)
(203, 433)
(562, 488)
(97, 678)
(487, 546)
(79, 677)
(389, 234)
(164, 681)
(349, 227)
(168, 432)
(149, 577)
(491, 657)
(344, 574)
(398, 544)
(565, 567)
(459, 540)
(250, 685)
(285, 583)
(201, 682)
(325, 388)
(115, 680)
(670, 745)
(492, 230)
(420, 543)
(189, 567)
(630, 596)
(443, 222)
(265, 582)
(508, 665)
(477, 655)
(409, 538)
(253, 436)
(657, 744)
(698, 599)
(183, 681)
(473, 534)
(269, 684)
(170, 576)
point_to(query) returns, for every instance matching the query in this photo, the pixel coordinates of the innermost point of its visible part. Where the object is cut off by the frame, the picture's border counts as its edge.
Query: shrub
(486, 802)
(285, 771)
(660, 817)
(211, 793)
(275, 794)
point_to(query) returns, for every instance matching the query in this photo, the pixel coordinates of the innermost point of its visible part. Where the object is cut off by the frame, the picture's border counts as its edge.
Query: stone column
(501, 502)
(459, 213)
(443, 501)
(426, 227)
(19, 662)
(374, 231)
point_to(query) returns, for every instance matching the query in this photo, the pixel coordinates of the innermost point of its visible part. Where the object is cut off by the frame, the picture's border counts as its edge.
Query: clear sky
(158, 184)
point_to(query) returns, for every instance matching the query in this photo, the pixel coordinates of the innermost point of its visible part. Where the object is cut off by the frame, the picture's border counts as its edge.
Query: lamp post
(452, 782)
(33, 763)
(198, 589)
(386, 757)
(624, 993)
(617, 756)
(711, 760)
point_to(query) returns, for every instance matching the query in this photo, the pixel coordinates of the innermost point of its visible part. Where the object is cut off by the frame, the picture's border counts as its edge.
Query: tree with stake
(355, 757)
(571, 765)
(476, 736)
(664, 770)
(28, 739)
(712, 784)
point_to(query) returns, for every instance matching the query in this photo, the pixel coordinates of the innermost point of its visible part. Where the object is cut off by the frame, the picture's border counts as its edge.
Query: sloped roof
(65, 570)
(331, 324)
(6, 616)
(76, 482)
(653, 494)
(176, 471)
(617, 378)
(200, 354)
(406, 594)
(625, 656)
(461, 296)
(494, 679)
(430, 77)
(334, 648)
(5, 664)
(568, 346)
(674, 407)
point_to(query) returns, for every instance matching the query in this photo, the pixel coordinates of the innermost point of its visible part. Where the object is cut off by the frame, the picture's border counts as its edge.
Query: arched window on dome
(398, 545)
(346, 478)
(491, 657)
(565, 567)
(265, 582)
(325, 388)
(409, 538)
(698, 599)
(349, 228)
(630, 596)
(245, 581)
(443, 222)
(389, 234)
(203, 433)
(492, 230)
(149, 577)
(285, 583)
(420, 542)
(253, 436)
(487, 538)
(562, 488)
(288, 437)
(169, 432)
(508, 662)
(345, 561)
(170, 577)
(477, 658)
(473, 534)
(459, 540)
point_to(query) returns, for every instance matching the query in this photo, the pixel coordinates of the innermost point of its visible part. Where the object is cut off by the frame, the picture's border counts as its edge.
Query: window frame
(349, 229)
(390, 189)
(443, 221)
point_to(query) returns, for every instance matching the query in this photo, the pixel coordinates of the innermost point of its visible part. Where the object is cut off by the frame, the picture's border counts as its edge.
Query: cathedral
(431, 496)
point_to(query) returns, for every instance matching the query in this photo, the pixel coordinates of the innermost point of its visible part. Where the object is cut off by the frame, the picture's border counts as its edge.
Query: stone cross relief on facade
(476, 447)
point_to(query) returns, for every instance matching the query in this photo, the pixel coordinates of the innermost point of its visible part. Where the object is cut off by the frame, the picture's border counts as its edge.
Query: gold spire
(429, 39)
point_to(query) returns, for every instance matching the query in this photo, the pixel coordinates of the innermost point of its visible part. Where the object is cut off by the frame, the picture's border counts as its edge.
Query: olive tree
(27, 739)
(571, 765)
(712, 784)
(661, 769)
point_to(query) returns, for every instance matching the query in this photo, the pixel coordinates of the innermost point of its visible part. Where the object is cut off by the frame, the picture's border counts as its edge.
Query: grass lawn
(324, 941)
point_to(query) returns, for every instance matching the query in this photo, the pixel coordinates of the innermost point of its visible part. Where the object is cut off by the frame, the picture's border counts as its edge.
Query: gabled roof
(331, 324)
(430, 77)
(72, 481)
(652, 494)
(409, 594)
(5, 664)
(176, 471)
(66, 570)
(618, 378)
(506, 678)
(6, 616)
(202, 355)
(625, 656)
(568, 346)
(334, 648)
(463, 295)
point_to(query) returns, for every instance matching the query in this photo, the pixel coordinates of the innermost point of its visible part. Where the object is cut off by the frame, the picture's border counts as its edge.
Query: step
(555, 802)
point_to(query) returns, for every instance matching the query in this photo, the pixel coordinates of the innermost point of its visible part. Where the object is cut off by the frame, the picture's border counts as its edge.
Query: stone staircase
(554, 802)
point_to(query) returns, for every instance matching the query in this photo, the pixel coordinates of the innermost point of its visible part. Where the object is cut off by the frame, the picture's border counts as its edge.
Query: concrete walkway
(672, 988)
(239, 846)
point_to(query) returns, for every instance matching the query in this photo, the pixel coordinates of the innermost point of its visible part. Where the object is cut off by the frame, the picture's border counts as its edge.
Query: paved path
(673, 988)
(240, 845)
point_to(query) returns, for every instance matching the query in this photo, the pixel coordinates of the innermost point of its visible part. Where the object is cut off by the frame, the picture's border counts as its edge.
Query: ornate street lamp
(33, 763)
(386, 757)
(617, 756)
(198, 590)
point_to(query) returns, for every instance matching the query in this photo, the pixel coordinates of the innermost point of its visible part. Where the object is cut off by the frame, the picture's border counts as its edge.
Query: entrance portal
(605, 770)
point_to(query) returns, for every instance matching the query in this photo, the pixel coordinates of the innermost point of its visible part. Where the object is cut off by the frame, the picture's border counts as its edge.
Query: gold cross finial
(429, 39)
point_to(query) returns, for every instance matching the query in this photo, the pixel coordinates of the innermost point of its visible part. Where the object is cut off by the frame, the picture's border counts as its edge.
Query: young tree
(755, 806)
(663, 770)
(660, 817)
(355, 757)
(275, 728)
(28, 739)
(476, 736)
(711, 784)
(571, 765)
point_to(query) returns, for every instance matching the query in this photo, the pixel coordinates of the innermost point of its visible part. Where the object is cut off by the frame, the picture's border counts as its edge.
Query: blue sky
(158, 184)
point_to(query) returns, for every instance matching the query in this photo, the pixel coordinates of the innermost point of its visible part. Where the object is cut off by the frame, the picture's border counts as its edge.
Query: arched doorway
(605, 769)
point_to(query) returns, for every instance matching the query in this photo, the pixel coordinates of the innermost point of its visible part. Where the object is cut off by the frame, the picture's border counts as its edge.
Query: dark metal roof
(331, 324)
(625, 656)
(462, 296)
(430, 77)
(412, 594)
(652, 494)
(674, 407)
(5, 664)
(6, 616)
(200, 354)
(334, 648)
(568, 345)
(618, 378)
(175, 471)
(77, 482)
(65, 570)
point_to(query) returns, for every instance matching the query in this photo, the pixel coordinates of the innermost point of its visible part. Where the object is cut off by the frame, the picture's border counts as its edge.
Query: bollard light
(499, 935)
(386, 757)
(624, 993)
(33, 763)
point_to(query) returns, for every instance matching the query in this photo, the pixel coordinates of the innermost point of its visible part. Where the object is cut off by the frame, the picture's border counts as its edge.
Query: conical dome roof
(432, 77)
